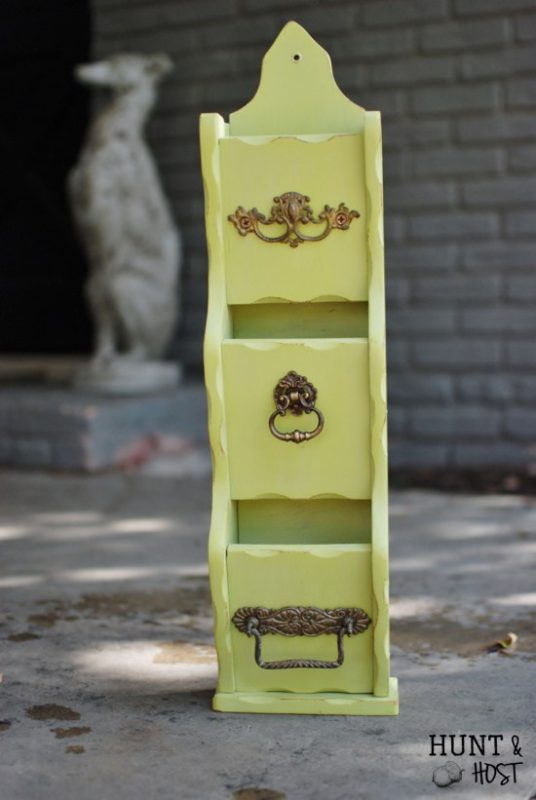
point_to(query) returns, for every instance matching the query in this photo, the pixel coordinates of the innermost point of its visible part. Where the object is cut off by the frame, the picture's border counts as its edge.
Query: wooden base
(365, 705)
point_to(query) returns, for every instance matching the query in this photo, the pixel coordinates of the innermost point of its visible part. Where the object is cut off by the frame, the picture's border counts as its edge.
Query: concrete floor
(108, 666)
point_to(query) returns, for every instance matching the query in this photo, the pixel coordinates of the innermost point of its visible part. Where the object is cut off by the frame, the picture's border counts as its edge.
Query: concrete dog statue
(126, 227)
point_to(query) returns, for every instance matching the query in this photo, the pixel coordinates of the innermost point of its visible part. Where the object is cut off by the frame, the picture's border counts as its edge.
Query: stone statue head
(125, 72)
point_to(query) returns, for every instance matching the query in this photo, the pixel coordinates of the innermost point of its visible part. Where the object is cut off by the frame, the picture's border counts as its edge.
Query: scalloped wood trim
(378, 428)
(218, 327)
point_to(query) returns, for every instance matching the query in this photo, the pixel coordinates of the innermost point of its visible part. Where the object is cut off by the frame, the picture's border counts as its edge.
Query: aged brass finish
(296, 394)
(301, 621)
(291, 209)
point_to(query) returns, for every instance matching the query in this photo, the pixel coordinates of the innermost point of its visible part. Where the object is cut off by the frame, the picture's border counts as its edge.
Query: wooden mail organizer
(295, 375)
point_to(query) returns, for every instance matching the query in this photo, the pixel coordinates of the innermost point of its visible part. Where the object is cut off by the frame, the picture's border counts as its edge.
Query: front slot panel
(255, 173)
(320, 576)
(328, 450)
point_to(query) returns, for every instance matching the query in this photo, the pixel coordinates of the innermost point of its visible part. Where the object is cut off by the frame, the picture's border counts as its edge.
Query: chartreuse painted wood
(258, 464)
(252, 175)
(289, 575)
(321, 521)
(300, 320)
(297, 524)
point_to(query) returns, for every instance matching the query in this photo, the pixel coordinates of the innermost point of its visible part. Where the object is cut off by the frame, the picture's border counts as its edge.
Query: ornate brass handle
(300, 621)
(291, 209)
(296, 394)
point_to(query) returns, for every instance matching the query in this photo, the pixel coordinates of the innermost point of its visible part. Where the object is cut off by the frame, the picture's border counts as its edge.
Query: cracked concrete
(107, 622)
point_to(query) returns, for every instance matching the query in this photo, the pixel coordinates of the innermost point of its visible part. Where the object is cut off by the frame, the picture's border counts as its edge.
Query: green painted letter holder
(295, 375)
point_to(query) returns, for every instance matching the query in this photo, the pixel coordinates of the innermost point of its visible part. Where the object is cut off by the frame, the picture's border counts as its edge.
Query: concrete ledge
(58, 428)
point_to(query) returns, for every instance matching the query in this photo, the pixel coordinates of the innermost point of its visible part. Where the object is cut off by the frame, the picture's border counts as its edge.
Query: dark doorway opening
(44, 117)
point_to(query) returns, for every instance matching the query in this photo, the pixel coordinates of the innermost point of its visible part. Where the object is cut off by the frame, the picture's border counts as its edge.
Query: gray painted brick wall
(456, 83)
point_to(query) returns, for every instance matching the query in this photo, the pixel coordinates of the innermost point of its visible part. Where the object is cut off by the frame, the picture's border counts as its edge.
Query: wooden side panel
(337, 461)
(326, 576)
(329, 172)
(378, 397)
(223, 522)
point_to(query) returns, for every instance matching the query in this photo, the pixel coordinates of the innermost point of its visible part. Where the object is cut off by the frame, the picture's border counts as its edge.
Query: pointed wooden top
(297, 92)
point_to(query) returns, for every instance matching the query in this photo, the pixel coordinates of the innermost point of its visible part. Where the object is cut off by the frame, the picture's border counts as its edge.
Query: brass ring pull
(296, 436)
(291, 209)
(300, 621)
(296, 394)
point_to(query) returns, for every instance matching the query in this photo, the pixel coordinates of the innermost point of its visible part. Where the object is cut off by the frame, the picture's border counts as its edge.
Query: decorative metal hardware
(291, 209)
(296, 394)
(301, 621)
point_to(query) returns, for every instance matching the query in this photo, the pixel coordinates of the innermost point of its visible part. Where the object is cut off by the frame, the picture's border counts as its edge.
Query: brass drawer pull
(300, 621)
(296, 394)
(291, 209)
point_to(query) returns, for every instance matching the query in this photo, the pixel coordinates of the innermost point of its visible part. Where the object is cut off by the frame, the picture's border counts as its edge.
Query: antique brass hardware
(300, 621)
(296, 394)
(291, 209)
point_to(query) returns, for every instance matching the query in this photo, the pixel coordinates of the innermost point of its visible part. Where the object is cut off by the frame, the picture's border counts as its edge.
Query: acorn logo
(447, 774)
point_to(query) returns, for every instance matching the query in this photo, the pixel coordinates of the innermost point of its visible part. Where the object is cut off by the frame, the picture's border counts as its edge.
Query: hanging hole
(297, 57)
